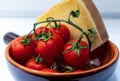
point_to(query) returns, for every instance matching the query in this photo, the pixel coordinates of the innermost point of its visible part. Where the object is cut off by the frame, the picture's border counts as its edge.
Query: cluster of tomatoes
(50, 49)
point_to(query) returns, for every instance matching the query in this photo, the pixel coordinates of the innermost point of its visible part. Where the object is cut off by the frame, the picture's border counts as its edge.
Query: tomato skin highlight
(34, 65)
(21, 53)
(63, 31)
(71, 56)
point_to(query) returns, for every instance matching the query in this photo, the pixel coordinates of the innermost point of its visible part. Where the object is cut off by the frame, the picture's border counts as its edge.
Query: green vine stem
(68, 22)
(72, 13)
(78, 41)
(45, 33)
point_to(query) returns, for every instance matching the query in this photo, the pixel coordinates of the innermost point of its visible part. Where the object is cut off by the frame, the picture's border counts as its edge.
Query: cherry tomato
(39, 31)
(35, 65)
(52, 47)
(63, 31)
(21, 53)
(71, 55)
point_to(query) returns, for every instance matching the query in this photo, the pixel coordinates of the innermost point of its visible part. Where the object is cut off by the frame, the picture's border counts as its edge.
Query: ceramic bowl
(107, 54)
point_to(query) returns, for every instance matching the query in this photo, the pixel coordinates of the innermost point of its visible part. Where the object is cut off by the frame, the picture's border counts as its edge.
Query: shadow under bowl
(107, 54)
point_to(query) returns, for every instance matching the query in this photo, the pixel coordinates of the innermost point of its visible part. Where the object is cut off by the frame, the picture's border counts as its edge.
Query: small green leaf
(54, 66)
(69, 68)
(91, 34)
(75, 13)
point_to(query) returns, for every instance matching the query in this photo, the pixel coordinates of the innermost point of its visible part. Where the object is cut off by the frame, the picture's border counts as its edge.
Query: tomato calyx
(76, 46)
(68, 68)
(62, 68)
(46, 37)
(54, 66)
(38, 36)
(26, 40)
(38, 59)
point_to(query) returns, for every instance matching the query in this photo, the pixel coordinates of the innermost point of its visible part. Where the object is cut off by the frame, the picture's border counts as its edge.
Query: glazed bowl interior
(107, 54)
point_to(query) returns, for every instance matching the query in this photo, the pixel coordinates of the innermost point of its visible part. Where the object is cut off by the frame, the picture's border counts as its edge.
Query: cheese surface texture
(89, 18)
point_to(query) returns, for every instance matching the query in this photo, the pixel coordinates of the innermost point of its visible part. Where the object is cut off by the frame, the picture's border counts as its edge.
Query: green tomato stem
(38, 59)
(27, 39)
(71, 23)
(68, 21)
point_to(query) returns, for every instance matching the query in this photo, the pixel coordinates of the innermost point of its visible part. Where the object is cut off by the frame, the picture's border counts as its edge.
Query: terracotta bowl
(107, 54)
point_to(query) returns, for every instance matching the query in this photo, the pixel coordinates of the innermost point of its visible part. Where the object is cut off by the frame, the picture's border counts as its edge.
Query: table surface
(22, 26)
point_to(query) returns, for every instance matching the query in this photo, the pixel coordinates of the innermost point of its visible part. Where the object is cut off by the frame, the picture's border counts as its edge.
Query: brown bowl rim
(46, 74)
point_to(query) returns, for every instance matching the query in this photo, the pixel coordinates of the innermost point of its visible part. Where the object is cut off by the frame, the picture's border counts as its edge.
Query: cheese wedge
(89, 18)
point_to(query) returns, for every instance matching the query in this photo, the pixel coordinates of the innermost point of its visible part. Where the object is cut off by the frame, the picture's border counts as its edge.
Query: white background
(19, 15)
(35, 7)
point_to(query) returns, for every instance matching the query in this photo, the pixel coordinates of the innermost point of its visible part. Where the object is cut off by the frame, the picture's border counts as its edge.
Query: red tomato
(52, 48)
(35, 65)
(39, 32)
(71, 56)
(49, 70)
(21, 53)
(62, 31)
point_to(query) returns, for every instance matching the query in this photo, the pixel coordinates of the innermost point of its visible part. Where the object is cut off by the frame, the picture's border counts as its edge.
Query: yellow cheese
(89, 18)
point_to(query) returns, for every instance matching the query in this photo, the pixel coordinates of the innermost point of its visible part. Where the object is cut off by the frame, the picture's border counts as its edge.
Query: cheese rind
(89, 18)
